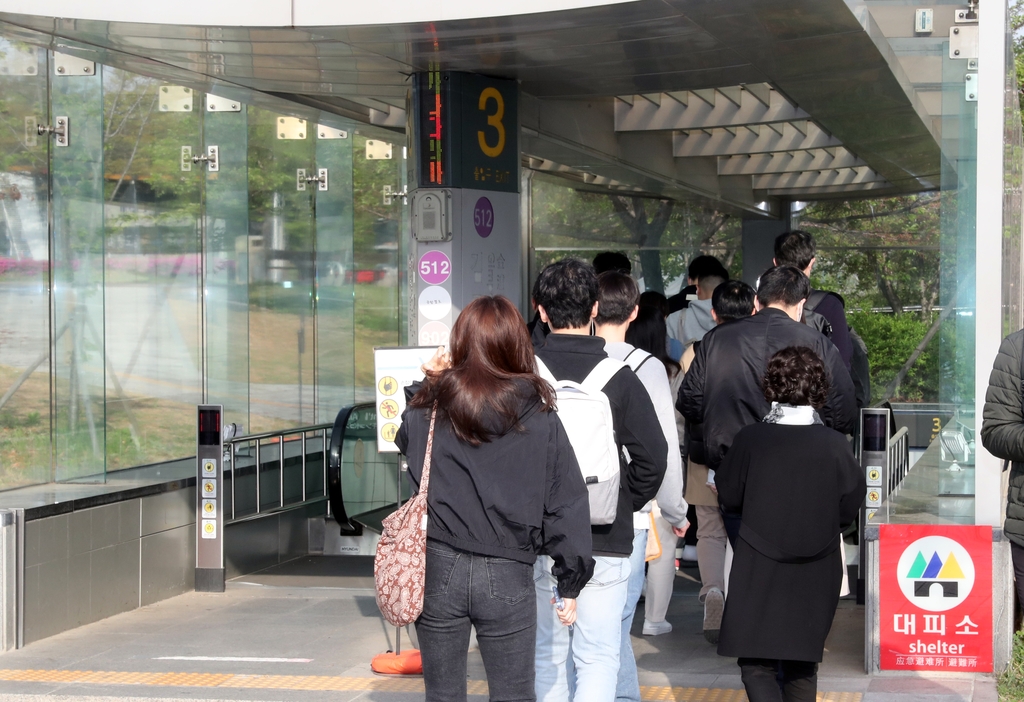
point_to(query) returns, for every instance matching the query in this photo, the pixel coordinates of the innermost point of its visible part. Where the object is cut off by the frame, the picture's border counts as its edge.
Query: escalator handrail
(334, 458)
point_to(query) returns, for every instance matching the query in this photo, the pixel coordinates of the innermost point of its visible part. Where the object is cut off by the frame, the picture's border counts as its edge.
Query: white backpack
(586, 415)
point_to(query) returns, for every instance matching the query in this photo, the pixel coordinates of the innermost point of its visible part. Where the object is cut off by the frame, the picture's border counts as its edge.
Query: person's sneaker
(714, 605)
(656, 628)
(690, 554)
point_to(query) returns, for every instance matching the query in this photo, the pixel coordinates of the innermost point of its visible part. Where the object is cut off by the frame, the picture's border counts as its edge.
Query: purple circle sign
(483, 217)
(435, 267)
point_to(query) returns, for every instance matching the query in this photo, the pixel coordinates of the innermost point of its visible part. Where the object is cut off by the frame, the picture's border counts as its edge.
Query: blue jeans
(593, 644)
(494, 595)
(628, 685)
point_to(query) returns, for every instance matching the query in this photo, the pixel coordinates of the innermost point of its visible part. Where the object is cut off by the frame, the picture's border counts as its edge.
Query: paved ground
(307, 630)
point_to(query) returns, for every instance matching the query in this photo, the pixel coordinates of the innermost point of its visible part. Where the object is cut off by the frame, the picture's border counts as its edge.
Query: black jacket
(514, 497)
(796, 487)
(1002, 431)
(572, 357)
(723, 388)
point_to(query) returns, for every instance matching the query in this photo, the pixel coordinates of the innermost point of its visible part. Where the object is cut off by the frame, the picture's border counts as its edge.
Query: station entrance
(239, 216)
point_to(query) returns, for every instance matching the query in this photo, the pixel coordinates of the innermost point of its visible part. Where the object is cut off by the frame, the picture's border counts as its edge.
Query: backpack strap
(814, 299)
(544, 372)
(633, 362)
(601, 374)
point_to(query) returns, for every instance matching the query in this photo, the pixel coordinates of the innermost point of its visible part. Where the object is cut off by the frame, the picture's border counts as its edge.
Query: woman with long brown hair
(504, 487)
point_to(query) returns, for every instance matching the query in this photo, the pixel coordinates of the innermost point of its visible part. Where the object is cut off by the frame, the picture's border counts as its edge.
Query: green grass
(1011, 682)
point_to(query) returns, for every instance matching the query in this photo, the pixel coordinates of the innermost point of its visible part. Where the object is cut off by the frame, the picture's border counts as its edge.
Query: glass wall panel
(660, 237)
(227, 258)
(281, 330)
(154, 345)
(24, 269)
(335, 279)
(78, 248)
(377, 227)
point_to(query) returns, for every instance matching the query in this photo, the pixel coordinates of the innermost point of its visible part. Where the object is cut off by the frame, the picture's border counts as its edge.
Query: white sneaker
(656, 628)
(690, 554)
(714, 606)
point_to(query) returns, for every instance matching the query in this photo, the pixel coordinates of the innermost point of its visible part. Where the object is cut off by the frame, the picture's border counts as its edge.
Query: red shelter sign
(935, 603)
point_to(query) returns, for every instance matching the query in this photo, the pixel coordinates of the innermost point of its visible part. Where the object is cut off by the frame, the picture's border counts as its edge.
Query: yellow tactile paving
(348, 684)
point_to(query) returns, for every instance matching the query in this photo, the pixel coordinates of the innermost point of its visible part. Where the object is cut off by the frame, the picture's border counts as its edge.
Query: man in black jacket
(797, 249)
(1002, 433)
(566, 294)
(723, 389)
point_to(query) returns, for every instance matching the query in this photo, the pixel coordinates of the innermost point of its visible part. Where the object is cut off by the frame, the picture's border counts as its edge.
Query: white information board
(395, 369)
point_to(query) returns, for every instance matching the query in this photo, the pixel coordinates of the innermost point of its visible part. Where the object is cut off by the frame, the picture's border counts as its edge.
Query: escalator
(363, 486)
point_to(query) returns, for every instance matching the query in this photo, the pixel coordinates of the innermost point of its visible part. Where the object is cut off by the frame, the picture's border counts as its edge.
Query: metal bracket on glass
(392, 193)
(969, 15)
(19, 61)
(301, 179)
(216, 103)
(291, 128)
(211, 159)
(175, 98)
(971, 87)
(61, 130)
(963, 42)
(31, 131)
(325, 132)
(377, 150)
(66, 65)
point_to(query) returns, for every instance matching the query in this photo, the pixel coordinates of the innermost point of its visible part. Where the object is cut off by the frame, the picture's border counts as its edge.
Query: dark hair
(712, 281)
(617, 297)
(647, 332)
(491, 358)
(653, 298)
(612, 261)
(796, 376)
(732, 300)
(783, 284)
(703, 266)
(567, 290)
(795, 248)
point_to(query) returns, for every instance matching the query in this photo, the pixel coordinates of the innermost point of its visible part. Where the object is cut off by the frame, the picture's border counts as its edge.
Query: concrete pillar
(758, 236)
(465, 202)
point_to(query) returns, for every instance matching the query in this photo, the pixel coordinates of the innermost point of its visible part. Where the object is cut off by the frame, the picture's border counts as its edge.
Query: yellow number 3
(492, 121)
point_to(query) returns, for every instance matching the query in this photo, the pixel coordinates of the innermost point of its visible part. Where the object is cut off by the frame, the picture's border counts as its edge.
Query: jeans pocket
(608, 571)
(509, 581)
(440, 566)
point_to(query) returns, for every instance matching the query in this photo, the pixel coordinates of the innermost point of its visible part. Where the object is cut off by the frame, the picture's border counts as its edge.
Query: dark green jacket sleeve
(1002, 432)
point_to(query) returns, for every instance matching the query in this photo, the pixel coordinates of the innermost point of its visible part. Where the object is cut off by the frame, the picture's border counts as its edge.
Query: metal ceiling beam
(816, 179)
(878, 189)
(579, 137)
(704, 109)
(789, 162)
(751, 140)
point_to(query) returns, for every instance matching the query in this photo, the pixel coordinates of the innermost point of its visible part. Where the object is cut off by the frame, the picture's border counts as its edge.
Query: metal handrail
(899, 458)
(281, 436)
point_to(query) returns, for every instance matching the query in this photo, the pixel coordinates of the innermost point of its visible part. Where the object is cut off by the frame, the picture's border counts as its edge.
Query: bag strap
(544, 372)
(601, 374)
(425, 476)
(814, 299)
(633, 364)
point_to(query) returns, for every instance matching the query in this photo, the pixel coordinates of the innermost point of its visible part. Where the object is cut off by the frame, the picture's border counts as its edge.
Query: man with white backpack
(604, 409)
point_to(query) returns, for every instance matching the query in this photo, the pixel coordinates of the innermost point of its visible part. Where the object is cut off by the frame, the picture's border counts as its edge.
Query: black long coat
(796, 487)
